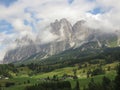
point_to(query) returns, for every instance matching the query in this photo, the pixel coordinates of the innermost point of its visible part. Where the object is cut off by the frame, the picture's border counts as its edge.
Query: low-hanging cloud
(32, 17)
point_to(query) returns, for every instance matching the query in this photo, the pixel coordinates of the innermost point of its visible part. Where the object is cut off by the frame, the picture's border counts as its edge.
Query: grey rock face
(81, 32)
(68, 37)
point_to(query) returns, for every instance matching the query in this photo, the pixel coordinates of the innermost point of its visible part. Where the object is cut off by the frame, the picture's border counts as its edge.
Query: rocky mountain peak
(64, 20)
(55, 27)
(26, 40)
(68, 37)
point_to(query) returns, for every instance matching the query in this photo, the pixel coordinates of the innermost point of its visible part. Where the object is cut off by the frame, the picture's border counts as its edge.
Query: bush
(8, 84)
(97, 71)
(55, 85)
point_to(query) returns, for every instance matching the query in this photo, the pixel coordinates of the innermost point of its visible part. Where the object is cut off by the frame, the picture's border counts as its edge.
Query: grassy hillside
(86, 64)
(21, 80)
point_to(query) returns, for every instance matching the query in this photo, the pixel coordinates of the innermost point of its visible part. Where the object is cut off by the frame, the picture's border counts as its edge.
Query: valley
(21, 80)
(59, 44)
(83, 70)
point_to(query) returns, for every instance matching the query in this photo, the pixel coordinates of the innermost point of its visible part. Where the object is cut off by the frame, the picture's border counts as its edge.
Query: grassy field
(22, 78)
(83, 81)
(81, 73)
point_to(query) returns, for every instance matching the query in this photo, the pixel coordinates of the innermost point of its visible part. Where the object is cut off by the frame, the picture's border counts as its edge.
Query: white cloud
(6, 43)
(20, 26)
(49, 10)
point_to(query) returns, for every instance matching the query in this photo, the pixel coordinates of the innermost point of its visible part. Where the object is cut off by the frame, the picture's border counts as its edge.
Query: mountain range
(65, 37)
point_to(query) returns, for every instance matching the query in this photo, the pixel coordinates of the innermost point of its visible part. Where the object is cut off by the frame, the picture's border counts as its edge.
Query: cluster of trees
(37, 68)
(106, 84)
(5, 68)
(55, 85)
(108, 55)
(8, 84)
(97, 71)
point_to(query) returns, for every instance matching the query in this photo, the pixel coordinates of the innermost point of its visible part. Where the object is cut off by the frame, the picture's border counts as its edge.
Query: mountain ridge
(68, 36)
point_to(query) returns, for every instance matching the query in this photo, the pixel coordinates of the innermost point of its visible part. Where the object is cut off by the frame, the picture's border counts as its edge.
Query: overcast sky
(21, 17)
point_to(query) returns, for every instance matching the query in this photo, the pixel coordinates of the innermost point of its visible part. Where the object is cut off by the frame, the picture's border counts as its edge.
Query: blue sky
(70, 1)
(96, 10)
(5, 27)
(91, 0)
(7, 2)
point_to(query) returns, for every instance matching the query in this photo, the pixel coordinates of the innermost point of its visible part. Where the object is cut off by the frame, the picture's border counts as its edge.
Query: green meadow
(22, 78)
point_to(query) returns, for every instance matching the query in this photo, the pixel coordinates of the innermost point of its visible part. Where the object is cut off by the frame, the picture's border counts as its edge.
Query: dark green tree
(0, 87)
(55, 78)
(106, 83)
(75, 73)
(98, 71)
(28, 81)
(88, 73)
(77, 85)
(92, 85)
(117, 79)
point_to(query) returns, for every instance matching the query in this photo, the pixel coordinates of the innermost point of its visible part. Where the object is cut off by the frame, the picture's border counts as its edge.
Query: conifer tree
(117, 79)
(77, 85)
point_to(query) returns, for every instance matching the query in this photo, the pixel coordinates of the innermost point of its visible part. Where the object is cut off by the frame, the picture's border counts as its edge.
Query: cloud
(6, 43)
(109, 18)
(26, 17)
(19, 25)
(47, 37)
